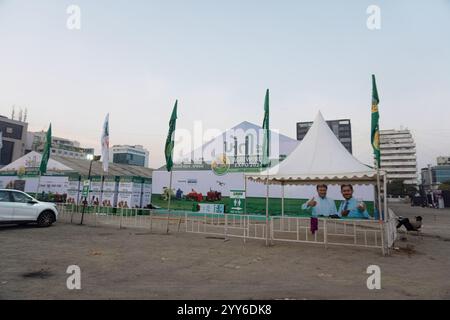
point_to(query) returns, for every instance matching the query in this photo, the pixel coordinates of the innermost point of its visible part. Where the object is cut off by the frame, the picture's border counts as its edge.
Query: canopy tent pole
(385, 198)
(267, 211)
(282, 205)
(168, 203)
(245, 193)
(282, 199)
(386, 228)
(375, 201)
(380, 214)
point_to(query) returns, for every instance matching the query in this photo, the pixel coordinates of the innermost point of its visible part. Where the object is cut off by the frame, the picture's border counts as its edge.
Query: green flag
(266, 140)
(46, 152)
(170, 143)
(375, 132)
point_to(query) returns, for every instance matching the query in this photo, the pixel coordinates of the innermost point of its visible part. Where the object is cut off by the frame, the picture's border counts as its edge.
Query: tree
(399, 188)
(445, 185)
(395, 188)
(410, 190)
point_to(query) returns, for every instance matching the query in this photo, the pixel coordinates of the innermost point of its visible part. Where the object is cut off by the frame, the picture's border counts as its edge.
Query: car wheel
(46, 219)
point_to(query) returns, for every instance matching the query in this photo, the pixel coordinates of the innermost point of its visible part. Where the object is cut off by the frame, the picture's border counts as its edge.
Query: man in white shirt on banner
(321, 205)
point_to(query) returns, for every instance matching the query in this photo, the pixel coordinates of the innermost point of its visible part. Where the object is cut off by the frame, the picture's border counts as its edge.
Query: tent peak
(319, 117)
(320, 155)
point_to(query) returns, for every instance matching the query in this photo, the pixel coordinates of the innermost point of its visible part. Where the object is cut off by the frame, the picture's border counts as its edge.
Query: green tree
(445, 185)
(410, 190)
(396, 188)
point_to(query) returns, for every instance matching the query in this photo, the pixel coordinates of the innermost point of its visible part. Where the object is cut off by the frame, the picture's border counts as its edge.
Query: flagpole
(168, 205)
(375, 139)
(39, 182)
(170, 143)
(45, 156)
(267, 209)
(266, 158)
(379, 195)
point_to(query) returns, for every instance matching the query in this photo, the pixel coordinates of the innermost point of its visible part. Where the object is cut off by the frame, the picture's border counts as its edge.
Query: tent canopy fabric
(320, 157)
(33, 160)
(57, 164)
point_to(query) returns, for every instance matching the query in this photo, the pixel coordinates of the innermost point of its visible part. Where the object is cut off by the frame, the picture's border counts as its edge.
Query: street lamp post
(92, 158)
(430, 176)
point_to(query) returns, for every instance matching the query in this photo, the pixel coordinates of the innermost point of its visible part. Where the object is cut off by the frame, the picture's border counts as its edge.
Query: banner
(128, 200)
(146, 192)
(211, 208)
(110, 184)
(130, 191)
(73, 189)
(54, 184)
(109, 199)
(237, 198)
(49, 184)
(95, 195)
(110, 189)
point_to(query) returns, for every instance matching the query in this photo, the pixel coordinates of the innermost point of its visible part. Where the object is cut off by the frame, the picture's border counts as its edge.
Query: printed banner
(237, 198)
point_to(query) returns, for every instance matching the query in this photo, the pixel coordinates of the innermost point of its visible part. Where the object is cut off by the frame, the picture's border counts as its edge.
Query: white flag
(105, 144)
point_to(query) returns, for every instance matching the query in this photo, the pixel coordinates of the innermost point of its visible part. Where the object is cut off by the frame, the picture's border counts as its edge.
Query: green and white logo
(220, 165)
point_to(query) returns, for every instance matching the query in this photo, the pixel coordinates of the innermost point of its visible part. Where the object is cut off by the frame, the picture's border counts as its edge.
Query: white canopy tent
(320, 158)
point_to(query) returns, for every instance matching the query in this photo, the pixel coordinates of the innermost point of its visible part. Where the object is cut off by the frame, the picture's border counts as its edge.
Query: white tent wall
(53, 184)
(202, 181)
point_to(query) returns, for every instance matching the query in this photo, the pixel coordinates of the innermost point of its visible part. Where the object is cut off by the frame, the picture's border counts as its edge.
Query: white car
(17, 207)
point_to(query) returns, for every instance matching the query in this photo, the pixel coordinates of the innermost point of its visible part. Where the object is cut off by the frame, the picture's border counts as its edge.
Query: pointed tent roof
(58, 164)
(32, 160)
(319, 157)
(286, 144)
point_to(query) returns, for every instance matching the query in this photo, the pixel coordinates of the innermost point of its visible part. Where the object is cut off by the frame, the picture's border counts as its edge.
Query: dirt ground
(134, 264)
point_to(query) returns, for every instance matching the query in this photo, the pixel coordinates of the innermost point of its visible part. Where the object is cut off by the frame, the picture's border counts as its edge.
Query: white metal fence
(343, 232)
(297, 229)
(391, 228)
(227, 225)
(119, 217)
(361, 233)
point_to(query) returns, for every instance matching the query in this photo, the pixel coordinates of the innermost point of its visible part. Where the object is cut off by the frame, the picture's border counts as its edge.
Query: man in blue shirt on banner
(350, 207)
(322, 205)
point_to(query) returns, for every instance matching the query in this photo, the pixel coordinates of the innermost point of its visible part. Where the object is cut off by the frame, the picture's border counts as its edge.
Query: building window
(6, 152)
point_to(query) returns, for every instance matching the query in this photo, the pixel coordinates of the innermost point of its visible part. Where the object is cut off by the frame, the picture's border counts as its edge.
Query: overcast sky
(134, 58)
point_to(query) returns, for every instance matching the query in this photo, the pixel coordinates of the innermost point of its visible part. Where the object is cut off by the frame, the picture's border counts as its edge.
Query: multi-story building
(442, 161)
(398, 155)
(342, 129)
(60, 146)
(14, 137)
(436, 174)
(132, 155)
